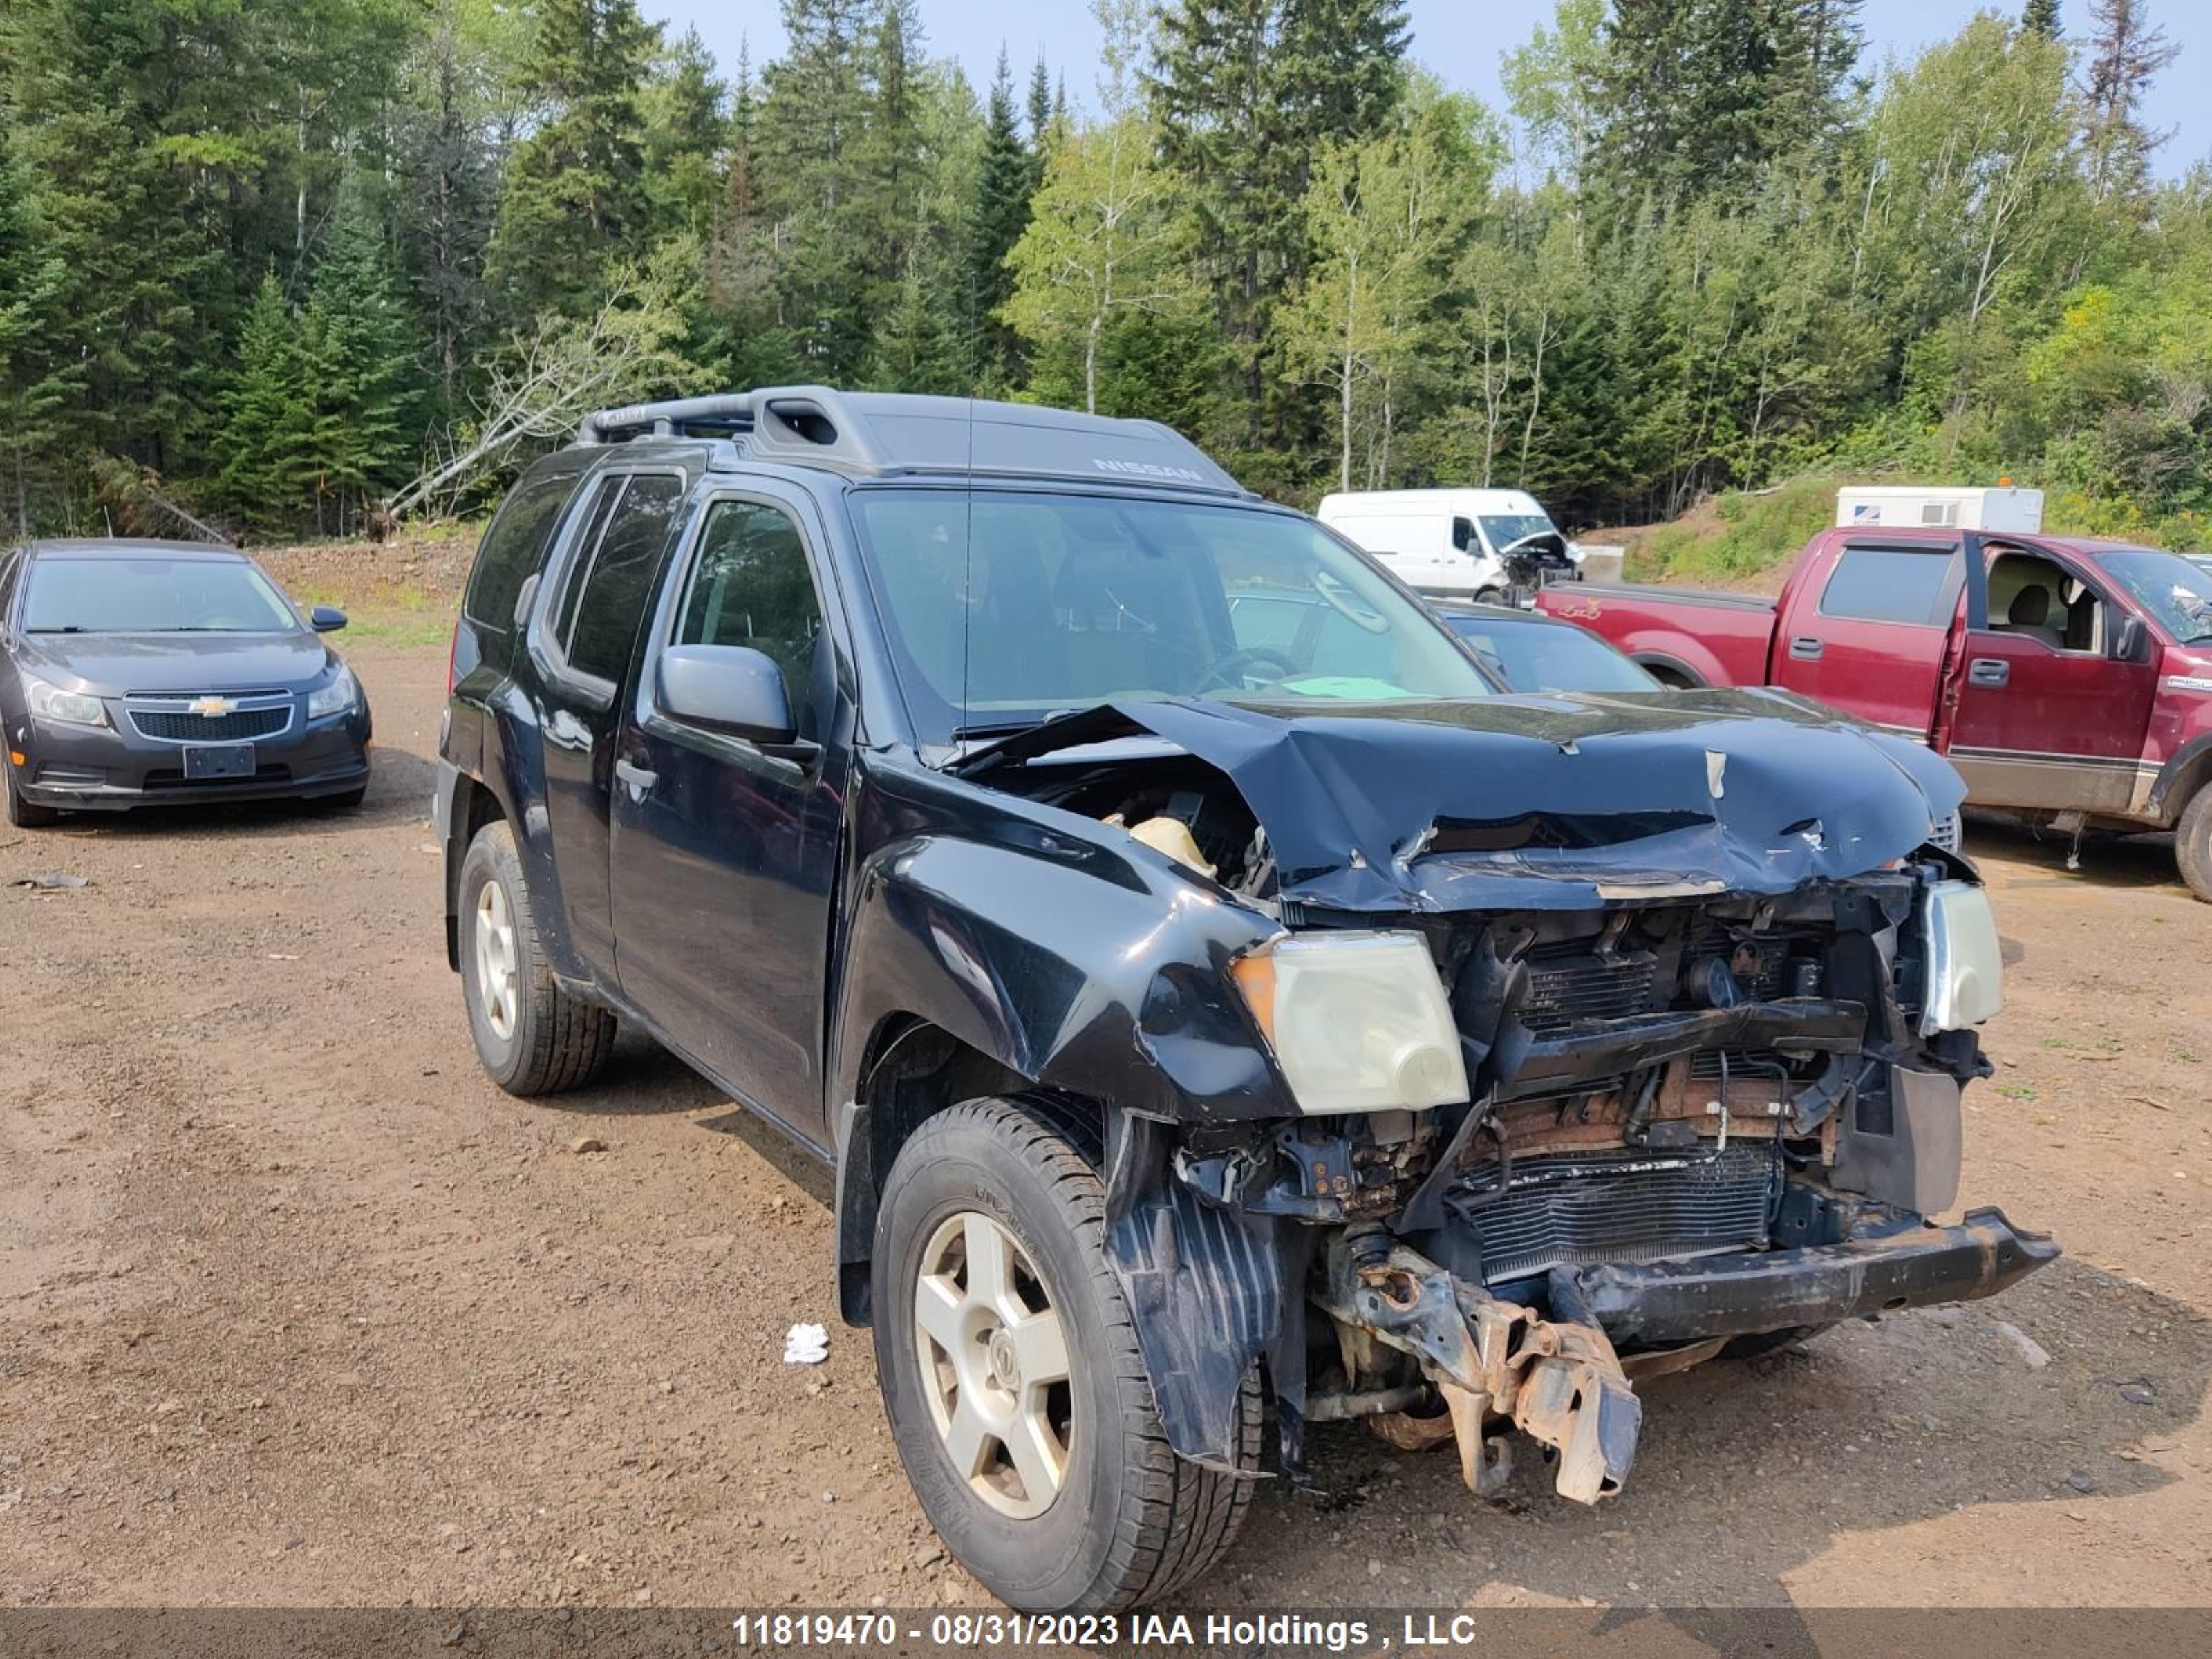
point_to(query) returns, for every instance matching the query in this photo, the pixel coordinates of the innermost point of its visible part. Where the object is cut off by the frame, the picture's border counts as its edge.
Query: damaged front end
(1602, 1033)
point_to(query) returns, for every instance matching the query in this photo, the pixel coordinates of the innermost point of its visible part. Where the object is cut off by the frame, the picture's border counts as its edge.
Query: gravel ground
(299, 1310)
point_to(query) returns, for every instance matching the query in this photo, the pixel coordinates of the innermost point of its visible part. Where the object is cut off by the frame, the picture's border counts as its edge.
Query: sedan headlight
(1965, 964)
(338, 697)
(1359, 1021)
(52, 703)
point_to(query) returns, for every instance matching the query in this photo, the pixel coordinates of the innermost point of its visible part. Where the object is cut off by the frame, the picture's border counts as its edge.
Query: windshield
(1537, 656)
(152, 595)
(1005, 608)
(1503, 529)
(2176, 590)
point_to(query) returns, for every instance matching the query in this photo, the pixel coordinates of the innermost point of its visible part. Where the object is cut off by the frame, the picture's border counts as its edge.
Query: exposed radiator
(1575, 1209)
(1568, 983)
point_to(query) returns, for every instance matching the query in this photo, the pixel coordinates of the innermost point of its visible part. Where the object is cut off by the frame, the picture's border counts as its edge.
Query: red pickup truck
(2064, 678)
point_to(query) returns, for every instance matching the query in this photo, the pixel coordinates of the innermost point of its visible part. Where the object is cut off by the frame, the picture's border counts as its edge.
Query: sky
(1459, 40)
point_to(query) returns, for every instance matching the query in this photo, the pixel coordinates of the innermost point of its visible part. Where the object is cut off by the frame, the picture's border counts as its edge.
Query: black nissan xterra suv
(1208, 988)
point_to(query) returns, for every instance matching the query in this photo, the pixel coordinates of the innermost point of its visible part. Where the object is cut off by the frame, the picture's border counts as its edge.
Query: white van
(1442, 541)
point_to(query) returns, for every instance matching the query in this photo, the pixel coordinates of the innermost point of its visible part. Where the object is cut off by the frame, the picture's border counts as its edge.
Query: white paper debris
(805, 1345)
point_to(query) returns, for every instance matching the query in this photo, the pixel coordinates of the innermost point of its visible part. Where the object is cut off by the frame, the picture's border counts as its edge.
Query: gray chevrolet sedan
(138, 673)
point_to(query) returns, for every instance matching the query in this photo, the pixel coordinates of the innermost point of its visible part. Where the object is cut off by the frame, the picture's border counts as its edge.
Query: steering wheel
(1224, 672)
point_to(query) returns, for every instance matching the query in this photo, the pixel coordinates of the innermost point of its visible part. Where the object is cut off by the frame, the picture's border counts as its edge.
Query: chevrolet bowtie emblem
(212, 708)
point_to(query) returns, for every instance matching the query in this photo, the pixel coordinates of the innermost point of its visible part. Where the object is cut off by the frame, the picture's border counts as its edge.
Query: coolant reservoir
(1173, 837)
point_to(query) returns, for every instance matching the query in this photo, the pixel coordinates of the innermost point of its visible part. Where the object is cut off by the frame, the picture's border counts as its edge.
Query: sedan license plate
(229, 759)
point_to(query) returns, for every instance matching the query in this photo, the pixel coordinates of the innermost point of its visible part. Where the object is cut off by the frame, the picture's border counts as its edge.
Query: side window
(605, 494)
(750, 585)
(1886, 584)
(512, 547)
(611, 592)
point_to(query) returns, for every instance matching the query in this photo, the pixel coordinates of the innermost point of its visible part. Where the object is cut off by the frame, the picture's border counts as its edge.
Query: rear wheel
(2192, 843)
(534, 1038)
(27, 815)
(1017, 1395)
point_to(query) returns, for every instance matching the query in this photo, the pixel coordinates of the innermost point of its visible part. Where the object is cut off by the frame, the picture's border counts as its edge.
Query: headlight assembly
(1357, 1021)
(1965, 971)
(50, 702)
(338, 697)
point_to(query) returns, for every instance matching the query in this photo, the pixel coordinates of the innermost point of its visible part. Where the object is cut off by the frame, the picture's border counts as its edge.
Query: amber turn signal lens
(1255, 978)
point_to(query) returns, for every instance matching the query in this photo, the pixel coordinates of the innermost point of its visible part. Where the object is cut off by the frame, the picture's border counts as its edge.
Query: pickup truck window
(1886, 584)
(2177, 591)
(750, 586)
(1003, 607)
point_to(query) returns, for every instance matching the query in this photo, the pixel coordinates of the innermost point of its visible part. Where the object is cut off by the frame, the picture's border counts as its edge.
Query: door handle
(1989, 671)
(1805, 648)
(637, 777)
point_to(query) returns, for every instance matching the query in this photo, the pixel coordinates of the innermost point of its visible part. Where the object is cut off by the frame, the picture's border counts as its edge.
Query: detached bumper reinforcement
(1741, 1295)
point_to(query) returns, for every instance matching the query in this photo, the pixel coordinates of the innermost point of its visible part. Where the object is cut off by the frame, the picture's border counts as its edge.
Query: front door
(725, 856)
(2047, 716)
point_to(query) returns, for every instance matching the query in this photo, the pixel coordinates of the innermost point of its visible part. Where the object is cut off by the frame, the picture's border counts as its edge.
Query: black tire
(1130, 1521)
(1490, 596)
(555, 1040)
(2192, 843)
(29, 815)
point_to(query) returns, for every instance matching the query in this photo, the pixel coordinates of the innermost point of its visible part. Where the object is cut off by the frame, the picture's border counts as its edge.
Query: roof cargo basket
(872, 434)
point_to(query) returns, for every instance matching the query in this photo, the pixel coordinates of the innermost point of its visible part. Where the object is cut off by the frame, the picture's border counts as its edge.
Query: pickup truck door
(725, 853)
(2048, 715)
(1868, 630)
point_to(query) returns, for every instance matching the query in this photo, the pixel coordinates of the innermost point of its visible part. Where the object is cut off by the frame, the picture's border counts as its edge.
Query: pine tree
(576, 200)
(2041, 17)
(355, 345)
(685, 130)
(1040, 111)
(35, 384)
(2126, 53)
(1004, 187)
(261, 449)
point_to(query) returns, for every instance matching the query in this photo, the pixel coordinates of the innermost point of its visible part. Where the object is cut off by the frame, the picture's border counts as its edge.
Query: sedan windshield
(152, 595)
(1005, 608)
(2175, 590)
(1543, 656)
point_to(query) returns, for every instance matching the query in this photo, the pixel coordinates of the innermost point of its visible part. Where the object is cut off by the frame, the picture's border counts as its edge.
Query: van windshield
(1004, 608)
(1502, 530)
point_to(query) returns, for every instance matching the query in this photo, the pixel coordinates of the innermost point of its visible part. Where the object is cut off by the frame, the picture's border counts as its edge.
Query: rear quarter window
(513, 548)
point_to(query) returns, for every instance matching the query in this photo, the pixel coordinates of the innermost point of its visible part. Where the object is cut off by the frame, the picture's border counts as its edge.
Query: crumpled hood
(1563, 802)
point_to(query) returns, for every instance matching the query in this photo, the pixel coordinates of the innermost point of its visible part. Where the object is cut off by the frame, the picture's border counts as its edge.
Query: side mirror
(2131, 643)
(727, 687)
(1463, 534)
(327, 619)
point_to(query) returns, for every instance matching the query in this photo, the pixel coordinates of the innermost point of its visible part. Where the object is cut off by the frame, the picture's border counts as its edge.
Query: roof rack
(871, 433)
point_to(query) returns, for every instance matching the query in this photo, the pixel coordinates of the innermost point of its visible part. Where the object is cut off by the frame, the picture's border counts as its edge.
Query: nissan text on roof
(1192, 1018)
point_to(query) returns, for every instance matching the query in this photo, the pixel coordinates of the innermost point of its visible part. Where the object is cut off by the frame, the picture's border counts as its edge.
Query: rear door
(583, 627)
(2049, 716)
(725, 856)
(1869, 635)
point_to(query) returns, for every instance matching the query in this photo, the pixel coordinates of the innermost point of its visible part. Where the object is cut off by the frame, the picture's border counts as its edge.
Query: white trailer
(1937, 506)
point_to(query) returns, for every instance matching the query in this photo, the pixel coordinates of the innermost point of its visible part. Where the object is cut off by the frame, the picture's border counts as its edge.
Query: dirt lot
(296, 1309)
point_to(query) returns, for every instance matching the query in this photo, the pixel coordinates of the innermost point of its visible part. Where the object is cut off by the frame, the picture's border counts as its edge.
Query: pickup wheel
(2192, 843)
(1017, 1395)
(532, 1036)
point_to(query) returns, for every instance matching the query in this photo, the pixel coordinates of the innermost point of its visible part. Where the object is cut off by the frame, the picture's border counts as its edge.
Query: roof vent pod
(803, 420)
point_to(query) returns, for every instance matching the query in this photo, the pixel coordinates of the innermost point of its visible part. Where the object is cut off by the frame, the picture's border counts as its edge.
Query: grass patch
(1741, 535)
(403, 618)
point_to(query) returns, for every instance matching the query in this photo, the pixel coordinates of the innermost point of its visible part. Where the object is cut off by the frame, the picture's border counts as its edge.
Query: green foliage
(298, 264)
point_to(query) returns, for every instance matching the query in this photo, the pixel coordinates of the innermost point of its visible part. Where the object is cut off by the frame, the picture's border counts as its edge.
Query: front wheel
(27, 815)
(2192, 843)
(1017, 1395)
